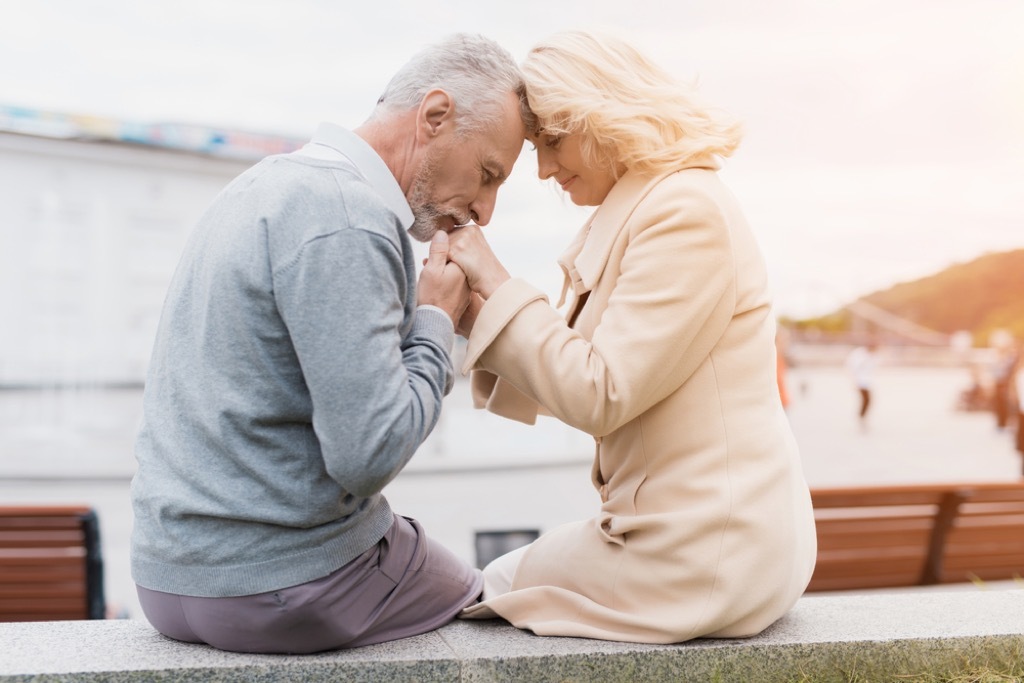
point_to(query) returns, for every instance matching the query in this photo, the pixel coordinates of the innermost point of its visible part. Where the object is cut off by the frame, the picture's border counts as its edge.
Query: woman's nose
(546, 165)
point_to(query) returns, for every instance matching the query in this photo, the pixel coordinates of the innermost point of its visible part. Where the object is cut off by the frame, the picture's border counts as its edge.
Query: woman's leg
(499, 573)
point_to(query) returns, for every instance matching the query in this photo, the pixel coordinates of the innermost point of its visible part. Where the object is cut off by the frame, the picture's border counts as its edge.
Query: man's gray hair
(477, 73)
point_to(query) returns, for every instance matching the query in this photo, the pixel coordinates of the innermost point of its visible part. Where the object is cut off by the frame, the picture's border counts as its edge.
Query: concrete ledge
(824, 638)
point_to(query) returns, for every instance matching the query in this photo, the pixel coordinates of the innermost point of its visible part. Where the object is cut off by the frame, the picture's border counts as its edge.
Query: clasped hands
(459, 274)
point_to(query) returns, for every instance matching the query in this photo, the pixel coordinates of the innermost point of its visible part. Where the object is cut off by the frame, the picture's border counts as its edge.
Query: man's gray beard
(426, 216)
(425, 219)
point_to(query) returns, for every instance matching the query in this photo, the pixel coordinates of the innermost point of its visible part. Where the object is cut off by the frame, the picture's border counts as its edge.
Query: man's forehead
(499, 159)
(500, 149)
(503, 141)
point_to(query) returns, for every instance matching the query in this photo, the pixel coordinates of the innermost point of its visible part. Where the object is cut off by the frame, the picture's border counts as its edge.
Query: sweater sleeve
(376, 383)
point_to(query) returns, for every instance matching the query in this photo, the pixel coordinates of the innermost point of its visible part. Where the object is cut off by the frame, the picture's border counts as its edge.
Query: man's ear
(435, 116)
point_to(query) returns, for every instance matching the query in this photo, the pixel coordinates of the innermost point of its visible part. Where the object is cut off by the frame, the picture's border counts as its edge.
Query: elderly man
(298, 367)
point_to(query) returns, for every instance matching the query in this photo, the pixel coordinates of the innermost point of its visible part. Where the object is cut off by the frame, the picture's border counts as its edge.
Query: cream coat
(705, 526)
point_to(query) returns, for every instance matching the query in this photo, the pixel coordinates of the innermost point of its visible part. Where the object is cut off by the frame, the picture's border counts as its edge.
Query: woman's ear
(435, 116)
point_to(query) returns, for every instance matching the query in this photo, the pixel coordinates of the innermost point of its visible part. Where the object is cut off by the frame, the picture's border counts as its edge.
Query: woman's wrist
(487, 286)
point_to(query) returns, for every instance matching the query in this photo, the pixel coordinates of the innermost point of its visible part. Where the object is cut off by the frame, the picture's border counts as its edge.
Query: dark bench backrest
(50, 564)
(871, 537)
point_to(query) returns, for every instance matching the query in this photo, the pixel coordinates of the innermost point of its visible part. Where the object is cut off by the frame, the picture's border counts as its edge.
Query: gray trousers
(405, 585)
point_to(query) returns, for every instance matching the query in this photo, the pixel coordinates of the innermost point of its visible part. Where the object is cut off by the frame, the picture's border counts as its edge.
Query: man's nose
(482, 208)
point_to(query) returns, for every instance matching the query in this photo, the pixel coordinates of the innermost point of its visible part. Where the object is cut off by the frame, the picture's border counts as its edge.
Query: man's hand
(442, 283)
(470, 250)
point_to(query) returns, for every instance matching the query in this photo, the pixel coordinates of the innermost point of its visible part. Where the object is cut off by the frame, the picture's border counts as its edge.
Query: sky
(884, 138)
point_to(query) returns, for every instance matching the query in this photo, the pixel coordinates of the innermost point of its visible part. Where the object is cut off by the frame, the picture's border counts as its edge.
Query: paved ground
(913, 432)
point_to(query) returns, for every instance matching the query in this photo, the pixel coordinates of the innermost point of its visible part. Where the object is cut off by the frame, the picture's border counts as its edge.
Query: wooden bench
(890, 536)
(50, 564)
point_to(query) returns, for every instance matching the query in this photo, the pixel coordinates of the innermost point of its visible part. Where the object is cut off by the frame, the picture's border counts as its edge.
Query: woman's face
(559, 157)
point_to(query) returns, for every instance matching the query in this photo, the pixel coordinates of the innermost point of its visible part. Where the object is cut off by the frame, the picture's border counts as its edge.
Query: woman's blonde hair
(629, 111)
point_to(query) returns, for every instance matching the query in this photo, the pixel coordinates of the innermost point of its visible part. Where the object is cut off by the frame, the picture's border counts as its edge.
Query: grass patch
(1012, 674)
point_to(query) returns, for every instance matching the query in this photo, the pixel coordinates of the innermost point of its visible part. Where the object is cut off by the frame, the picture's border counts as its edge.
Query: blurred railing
(835, 353)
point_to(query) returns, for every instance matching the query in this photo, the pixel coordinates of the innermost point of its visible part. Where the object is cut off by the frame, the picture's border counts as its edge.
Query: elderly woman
(666, 357)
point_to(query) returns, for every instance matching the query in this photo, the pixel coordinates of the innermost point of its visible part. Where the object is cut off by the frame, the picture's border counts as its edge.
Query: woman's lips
(567, 183)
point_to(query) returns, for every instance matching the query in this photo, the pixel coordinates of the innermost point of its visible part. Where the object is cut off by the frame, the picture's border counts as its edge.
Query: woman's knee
(500, 572)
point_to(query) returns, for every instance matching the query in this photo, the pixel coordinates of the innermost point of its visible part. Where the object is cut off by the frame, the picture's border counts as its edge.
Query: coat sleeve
(672, 301)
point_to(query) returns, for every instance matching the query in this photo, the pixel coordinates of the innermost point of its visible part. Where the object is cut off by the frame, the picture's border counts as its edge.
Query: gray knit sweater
(292, 378)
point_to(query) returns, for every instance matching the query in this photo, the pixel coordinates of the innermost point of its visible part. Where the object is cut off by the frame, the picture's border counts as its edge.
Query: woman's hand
(468, 319)
(470, 251)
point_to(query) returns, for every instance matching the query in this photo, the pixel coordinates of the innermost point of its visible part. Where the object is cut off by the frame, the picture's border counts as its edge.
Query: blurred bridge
(898, 327)
(903, 342)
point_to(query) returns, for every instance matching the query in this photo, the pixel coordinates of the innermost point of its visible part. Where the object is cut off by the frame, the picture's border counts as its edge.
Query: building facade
(93, 216)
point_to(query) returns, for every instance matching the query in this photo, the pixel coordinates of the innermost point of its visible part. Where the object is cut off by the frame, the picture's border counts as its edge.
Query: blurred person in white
(862, 363)
(666, 357)
(298, 367)
(1019, 401)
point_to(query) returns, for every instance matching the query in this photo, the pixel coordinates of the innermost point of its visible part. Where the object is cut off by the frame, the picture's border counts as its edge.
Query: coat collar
(586, 257)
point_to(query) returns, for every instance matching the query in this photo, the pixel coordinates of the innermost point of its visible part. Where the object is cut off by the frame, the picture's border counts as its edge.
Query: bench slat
(23, 555)
(70, 589)
(28, 538)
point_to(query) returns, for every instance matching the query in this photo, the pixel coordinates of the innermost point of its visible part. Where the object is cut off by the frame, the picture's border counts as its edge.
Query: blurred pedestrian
(861, 363)
(782, 365)
(1019, 401)
(1002, 383)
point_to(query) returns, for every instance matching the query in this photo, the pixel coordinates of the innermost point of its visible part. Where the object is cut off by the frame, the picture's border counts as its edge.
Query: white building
(93, 216)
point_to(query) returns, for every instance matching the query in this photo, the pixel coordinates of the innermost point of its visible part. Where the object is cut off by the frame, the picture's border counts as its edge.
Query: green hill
(978, 296)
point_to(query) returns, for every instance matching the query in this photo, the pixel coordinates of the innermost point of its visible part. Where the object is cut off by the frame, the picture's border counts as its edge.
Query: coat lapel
(585, 259)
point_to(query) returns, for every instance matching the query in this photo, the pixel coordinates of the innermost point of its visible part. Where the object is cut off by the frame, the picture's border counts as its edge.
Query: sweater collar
(332, 140)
